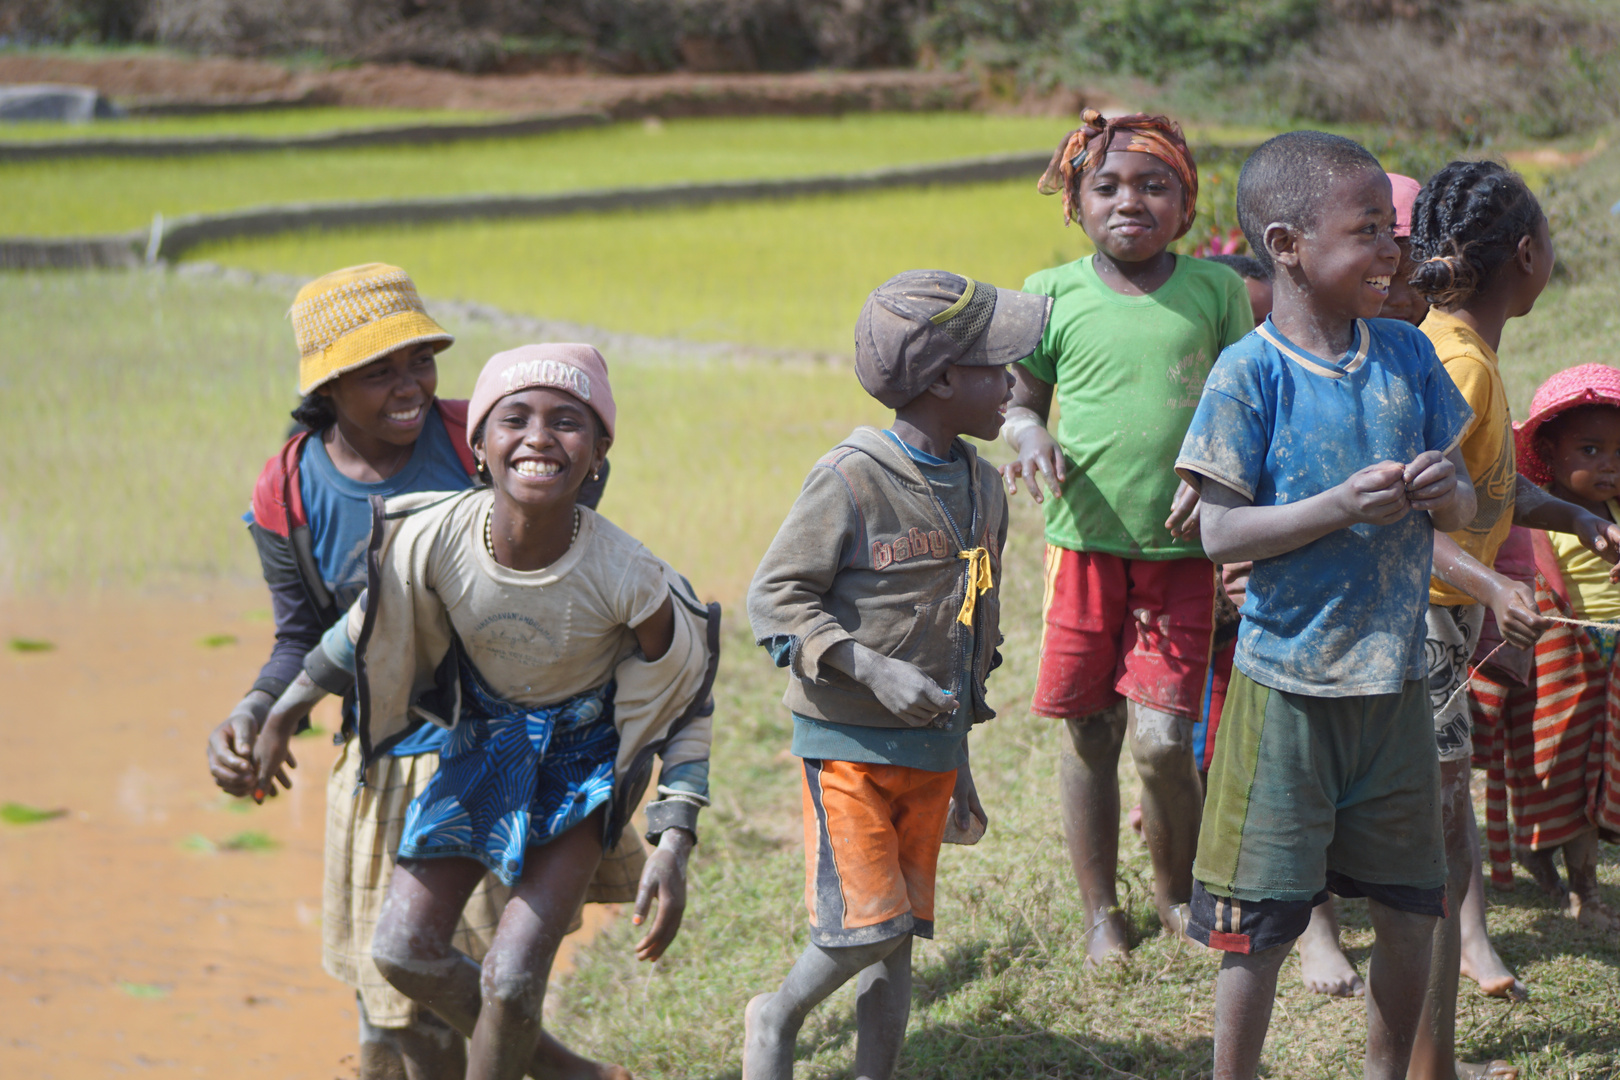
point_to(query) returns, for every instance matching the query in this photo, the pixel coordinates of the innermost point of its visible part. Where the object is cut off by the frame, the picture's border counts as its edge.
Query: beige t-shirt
(541, 636)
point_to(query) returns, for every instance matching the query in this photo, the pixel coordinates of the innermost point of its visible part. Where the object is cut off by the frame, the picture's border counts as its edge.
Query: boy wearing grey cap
(881, 596)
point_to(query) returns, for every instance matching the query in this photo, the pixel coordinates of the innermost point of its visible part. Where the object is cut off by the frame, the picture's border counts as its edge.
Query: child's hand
(1602, 538)
(965, 804)
(1517, 616)
(1183, 519)
(902, 688)
(1431, 481)
(1038, 455)
(230, 745)
(665, 877)
(1376, 495)
(272, 756)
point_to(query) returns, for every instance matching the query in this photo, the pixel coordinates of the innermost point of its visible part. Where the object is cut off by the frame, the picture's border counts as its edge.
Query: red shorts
(871, 846)
(1129, 628)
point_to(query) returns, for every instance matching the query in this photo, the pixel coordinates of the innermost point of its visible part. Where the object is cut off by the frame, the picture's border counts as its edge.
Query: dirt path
(172, 79)
(134, 939)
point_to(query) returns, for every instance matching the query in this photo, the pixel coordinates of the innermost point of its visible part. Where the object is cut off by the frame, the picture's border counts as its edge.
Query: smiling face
(1131, 206)
(980, 398)
(387, 400)
(540, 446)
(1404, 302)
(1582, 449)
(1344, 262)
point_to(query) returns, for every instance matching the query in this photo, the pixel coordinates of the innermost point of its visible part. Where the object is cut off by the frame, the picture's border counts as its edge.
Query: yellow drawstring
(979, 581)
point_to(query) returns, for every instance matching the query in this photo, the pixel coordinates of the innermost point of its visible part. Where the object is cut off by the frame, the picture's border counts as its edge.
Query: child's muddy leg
(1480, 960)
(507, 1040)
(431, 1048)
(771, 1022)
(1088, 785)
(1244, 992)
(1397, 980)
(1172, 806)
(882, 1007)
(412, 946)
(1581, 861)
(1323, 967)
(379, 1054)
(1543, 871)
(1433, 1053)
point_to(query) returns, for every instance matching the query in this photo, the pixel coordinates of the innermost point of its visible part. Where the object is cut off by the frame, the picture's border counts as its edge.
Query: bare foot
(1493, 977)
(1591, 912)
(1105, 940)
(1326, 970)
(1489, 1070)
(1176, 918)
(554, 1061)
(762, 1048)
(1542, 871)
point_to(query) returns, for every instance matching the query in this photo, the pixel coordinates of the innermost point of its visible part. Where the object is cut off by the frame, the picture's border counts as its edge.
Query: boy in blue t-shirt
(1325, 449)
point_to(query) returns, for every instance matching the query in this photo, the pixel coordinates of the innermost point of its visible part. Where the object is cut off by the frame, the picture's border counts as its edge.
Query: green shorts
(1303, 785)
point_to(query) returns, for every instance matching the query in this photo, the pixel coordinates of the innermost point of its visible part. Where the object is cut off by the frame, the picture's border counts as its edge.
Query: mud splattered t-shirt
(1343, 615)
(1127, 372)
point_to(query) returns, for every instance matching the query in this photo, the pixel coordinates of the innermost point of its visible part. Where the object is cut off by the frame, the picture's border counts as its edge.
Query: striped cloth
(1549, 749)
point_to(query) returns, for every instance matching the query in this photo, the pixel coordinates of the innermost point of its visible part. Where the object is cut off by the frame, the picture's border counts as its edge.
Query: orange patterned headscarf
(1084, 149)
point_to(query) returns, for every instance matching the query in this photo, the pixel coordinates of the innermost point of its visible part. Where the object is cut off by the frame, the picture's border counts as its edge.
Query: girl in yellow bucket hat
(373, 425)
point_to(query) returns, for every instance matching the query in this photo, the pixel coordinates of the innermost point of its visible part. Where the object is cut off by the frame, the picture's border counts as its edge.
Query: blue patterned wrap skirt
(512, 777)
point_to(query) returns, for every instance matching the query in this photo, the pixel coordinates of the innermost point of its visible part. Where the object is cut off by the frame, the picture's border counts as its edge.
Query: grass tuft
(217, 641)
(250, 840)
(30, 645)
(144, 991)
(14, 813)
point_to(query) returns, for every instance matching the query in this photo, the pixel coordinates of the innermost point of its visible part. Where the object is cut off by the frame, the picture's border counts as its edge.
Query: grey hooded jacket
(869, 553)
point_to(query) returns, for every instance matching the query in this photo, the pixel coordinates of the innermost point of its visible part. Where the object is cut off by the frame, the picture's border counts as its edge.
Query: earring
(597, 475)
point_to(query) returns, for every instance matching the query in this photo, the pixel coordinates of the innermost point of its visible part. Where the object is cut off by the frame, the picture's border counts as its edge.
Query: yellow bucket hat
(350, 317)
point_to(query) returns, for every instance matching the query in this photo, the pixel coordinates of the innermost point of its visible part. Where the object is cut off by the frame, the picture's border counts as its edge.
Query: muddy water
(135, 936)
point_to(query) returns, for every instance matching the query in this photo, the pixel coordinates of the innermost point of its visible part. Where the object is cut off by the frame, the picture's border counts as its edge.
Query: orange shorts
(871, 845)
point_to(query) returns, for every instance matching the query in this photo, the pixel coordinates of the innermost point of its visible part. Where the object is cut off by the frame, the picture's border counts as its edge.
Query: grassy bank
(268, 123)
(104, 195)
(789, 273)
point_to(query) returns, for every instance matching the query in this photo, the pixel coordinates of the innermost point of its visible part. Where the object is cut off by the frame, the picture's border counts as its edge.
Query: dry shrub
(1468, 71)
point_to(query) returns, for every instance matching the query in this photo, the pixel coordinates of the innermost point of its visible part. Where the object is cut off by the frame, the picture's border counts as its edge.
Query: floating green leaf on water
(199, 843)
(251, 840)
(22, 644)
(144, 991)
(313, 731)
(215, 641)
(14, 813)
(242, 805)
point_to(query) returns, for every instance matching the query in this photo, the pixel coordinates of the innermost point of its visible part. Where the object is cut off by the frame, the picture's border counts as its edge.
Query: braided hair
(1466, 223)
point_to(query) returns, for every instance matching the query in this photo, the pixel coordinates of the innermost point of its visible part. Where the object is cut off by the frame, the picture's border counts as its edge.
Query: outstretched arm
(1537, 509)
(1039, 454)
(272, 755)
(1512, 602)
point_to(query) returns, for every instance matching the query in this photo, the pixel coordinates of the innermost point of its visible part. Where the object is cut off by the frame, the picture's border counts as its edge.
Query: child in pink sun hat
(1553, 758)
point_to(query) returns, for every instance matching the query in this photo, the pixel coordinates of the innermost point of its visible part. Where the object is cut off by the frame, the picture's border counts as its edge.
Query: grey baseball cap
(917, 324)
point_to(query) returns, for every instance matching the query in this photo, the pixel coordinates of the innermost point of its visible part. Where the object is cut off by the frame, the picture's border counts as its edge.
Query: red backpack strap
(454, 415)
(278, 503)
